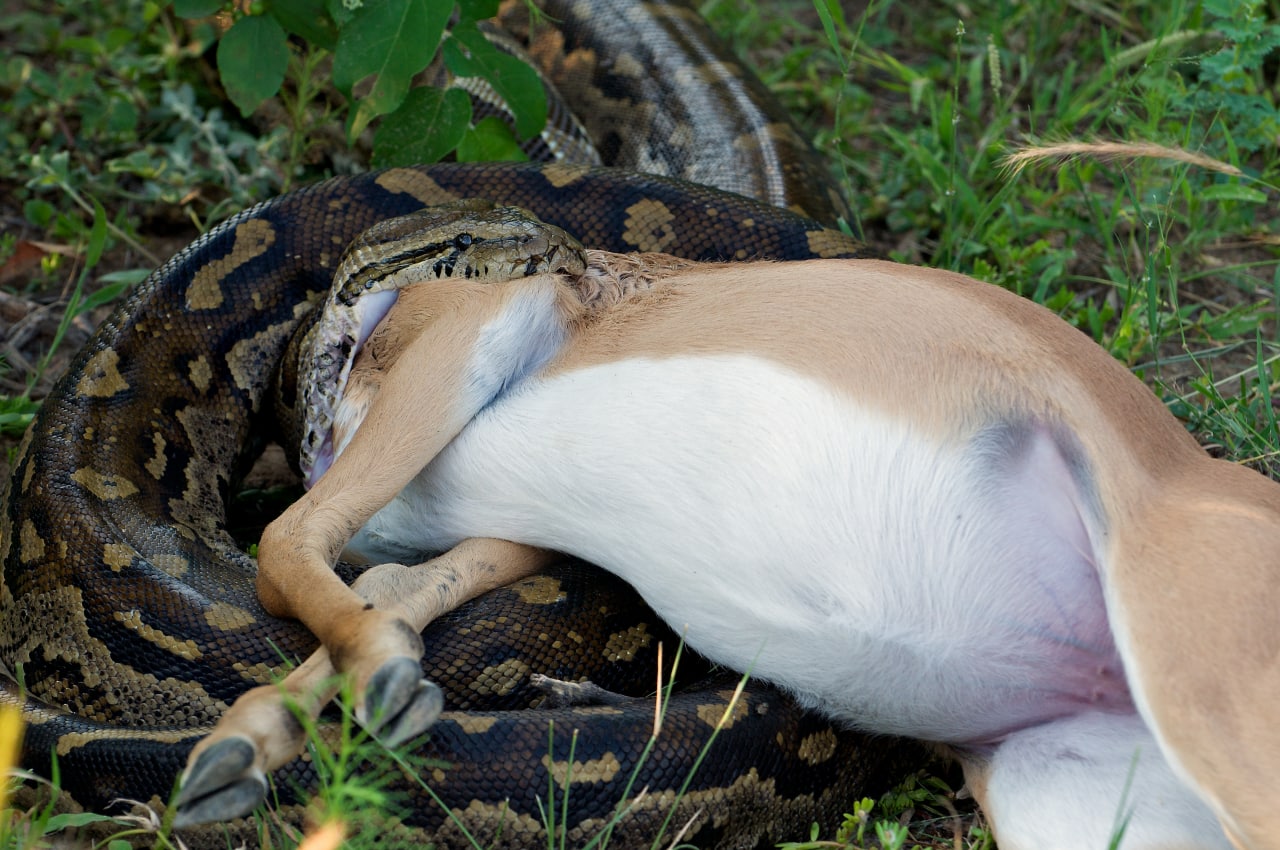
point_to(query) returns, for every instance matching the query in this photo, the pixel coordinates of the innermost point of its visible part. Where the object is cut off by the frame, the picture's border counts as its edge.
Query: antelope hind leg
(1089, 780)
(1195, 602)
(226, 774)
(1191, 592)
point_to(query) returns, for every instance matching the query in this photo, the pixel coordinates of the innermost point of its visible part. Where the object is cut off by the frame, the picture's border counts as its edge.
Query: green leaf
(100, 297)
(196, 8)
(469, 54)
(342, 11)
(1221, 8)
(74, 819)
(126, 277)
(14, 424)
(38, 212)
(252, 58)
(490, 141)
(832, 16)
(97, 236)
(1233, 192)
(428, 125)
(121, 116)
(390, 40)
(308, 19)
(477, 10)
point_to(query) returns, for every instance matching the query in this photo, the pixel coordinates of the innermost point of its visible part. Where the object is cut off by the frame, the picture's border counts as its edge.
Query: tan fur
(1193, 541)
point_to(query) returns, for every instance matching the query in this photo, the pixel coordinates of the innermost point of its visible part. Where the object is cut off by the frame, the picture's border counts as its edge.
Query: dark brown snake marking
(130, 610)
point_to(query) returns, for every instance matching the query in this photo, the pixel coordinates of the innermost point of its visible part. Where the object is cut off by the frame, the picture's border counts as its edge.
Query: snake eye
(462, 241)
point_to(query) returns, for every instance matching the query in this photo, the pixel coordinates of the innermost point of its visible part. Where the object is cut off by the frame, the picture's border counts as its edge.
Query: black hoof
(223, 784)
(399, 704)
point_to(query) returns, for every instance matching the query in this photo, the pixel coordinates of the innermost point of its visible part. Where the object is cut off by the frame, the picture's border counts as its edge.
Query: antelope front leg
(226, 774)
(482, 337)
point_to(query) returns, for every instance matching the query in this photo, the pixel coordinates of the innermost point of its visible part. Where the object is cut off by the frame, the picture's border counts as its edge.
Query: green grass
(115, 138)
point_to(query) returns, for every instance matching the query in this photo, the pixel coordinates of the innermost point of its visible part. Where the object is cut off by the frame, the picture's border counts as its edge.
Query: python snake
(128, 610)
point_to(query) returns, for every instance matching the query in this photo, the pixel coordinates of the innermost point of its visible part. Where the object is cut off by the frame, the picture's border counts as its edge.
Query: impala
(919, 503)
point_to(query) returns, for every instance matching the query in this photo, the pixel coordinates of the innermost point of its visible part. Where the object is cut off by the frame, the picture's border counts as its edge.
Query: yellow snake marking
(482, 819)
(71, 740)
(102, 378)
(132, 620)
(763, 805)
(458, 666)
(19, 457)
(818, 747)
(245, 357)
(259, 674)
(648, 226)
(760, 795)
(539, 590)
(31, 542)
(824, 243)
(198, 509)
(602, 769)
(623, 646)
(561, 175)
(714, 715)
(683, 135)
(252, 239)
(628, 66)
(174, 565)
(709, 73)
(476, 724)
(159, 460)
(501, 679)
(201, 373)
(415, 184)
(597, 711)
(559, 644)
(224, 616)
(125, 692)
(117, 556)
(6, 544)
(105, 486)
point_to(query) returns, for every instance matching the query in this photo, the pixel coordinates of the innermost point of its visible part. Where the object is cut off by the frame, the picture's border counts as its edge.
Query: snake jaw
(471, 239)
(327, 358)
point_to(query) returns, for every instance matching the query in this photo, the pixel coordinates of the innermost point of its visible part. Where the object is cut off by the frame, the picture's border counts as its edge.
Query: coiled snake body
(129, 612)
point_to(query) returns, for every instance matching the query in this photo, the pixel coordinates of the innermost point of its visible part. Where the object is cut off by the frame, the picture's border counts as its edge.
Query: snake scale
(128, 611)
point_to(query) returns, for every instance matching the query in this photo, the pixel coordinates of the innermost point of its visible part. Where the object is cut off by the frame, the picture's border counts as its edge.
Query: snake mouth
(326, 360)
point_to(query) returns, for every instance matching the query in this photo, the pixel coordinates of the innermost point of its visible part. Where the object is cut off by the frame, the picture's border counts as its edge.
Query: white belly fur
(708, 482)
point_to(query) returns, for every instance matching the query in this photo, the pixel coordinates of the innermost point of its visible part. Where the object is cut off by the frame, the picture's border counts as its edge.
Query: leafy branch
(378, 48)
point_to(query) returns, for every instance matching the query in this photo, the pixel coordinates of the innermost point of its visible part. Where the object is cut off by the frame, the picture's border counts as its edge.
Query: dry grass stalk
(1109, 151)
